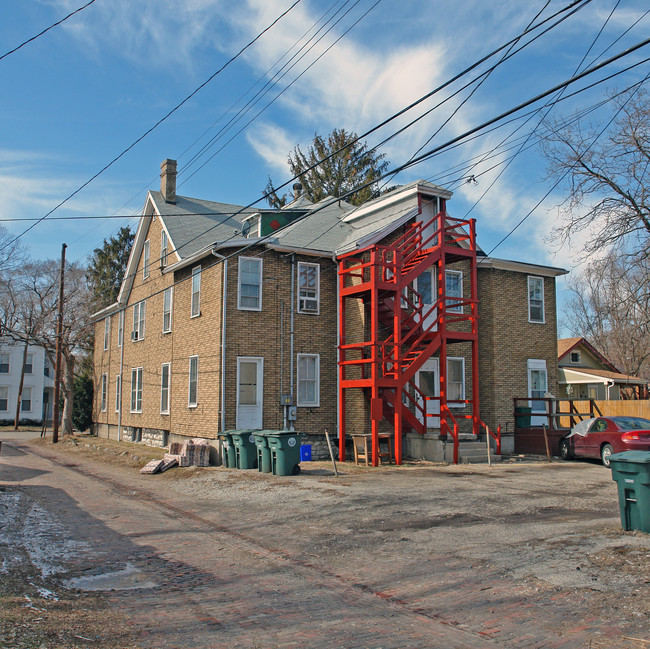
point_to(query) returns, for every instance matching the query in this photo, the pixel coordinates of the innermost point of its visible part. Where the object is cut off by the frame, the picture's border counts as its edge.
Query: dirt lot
(523, 554)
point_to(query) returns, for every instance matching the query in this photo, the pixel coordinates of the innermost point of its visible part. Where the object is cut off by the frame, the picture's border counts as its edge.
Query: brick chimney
(168, 180)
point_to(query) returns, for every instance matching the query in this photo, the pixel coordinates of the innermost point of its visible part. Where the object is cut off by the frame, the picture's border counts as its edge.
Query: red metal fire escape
(387, 333)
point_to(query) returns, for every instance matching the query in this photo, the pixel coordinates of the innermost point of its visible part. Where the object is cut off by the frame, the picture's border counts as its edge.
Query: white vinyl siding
(455, 381)
(168, 304)
(196, 292)
(193, 382)
(308, 288)
(136, 389)
(139, 312)
(104, 391)
(146, 259)
(249, 291)
(164, 389)
(308, 377)
(536, 299)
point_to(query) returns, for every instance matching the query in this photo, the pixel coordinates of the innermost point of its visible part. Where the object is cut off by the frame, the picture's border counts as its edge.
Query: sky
(87, 90)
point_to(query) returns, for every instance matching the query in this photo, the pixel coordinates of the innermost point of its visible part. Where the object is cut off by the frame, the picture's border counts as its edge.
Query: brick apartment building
(381, 318)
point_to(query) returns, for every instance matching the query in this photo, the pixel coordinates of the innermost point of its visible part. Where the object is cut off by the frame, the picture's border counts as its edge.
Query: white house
(38, 384)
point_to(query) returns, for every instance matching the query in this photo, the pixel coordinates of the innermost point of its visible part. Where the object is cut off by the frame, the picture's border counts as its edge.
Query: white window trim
(141, 319)
(317, 298)
(171, 309)
(578, 359)
(139, 371)
(6, 398)
(29, 362)
(165, 411)
(190, 403)
(8, 363)
(458, 308)
(260, 387)
(164, 248)
(27, 389)
(196, 273)
(107, 332)
(118, 392)
(104, 394)
(536, 364)
(146, 259)
(454, 404)
(258, 261)
(120, 328)
(299, 403)
(543, 320)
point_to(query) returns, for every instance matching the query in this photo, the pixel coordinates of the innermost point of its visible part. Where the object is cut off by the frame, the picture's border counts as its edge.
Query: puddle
(130, 578)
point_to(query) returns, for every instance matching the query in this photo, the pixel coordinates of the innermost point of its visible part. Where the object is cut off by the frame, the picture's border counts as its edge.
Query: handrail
(495, 436)
(445, 412)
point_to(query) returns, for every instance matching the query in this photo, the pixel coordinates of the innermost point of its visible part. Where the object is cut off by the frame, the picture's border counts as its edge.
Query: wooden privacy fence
(630, 408)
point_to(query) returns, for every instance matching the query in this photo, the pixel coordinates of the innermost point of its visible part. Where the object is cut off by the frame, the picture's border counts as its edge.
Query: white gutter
(293, 280)
(119, 414)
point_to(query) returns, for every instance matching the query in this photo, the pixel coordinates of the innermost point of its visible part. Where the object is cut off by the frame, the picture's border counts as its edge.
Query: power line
(160, 121)
(33, 38)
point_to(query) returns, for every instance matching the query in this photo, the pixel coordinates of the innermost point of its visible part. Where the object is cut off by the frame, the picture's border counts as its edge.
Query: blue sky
(79, 95)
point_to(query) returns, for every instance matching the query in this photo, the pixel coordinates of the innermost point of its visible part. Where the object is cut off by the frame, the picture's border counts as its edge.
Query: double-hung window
(107, 332)
(193, 383)
(118, 393)
(26, 400)
(164, 245)
(308, 288)
(454, 290)
(308, 380)
(104, 391)
(4, 363)
(29, 363)
(139, 311)
(455, 381)
(250, 284)
(168, 300)
(4, 398)
(120, 328)
(196, 291)
(536, 299)
(164, 389)
(136, 389)
(146, 259)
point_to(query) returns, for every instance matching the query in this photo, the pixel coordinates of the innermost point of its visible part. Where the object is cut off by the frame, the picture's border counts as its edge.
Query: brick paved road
(228, 575)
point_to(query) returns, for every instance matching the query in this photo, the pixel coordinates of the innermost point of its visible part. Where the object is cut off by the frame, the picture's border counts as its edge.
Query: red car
(602, 436)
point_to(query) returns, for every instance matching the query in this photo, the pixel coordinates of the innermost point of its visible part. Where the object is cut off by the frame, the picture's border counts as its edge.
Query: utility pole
(59, 336)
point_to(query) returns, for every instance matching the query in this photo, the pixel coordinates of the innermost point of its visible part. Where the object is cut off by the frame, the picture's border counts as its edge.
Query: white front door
(426, 286)
(429, 209)
(537, 387)
(427, 378)
(250, 383)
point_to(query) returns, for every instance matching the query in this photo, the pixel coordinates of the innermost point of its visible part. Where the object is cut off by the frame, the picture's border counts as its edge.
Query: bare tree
(607, 178)
(610, 306)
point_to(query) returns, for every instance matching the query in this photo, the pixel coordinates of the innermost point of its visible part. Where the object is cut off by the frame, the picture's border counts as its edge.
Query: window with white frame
(29, 364)
(107, 332)
(146, 259)
(196, 291)
(164, 245)
(120, 328)
(118, 393)
(537, 383)
(536, 299)
(308, 287)
(308, 376)
(454, 290)
(139, 311)
(193, 383)
(575, 357)
(168, 299)
(136, 389)
(104, 391)
(4, 363)
(250, 284)
(164, 389)
(4, 398)
(455, 382)
(26, 400)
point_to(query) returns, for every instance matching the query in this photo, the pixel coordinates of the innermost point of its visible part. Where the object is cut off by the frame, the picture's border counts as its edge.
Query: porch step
(475, 453)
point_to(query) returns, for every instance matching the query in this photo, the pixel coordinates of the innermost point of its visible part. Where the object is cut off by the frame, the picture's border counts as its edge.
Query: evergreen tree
(351, 165)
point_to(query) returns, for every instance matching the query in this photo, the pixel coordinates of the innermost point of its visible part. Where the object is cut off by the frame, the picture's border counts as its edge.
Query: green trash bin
(285, 452)
(522, 417)
(228, 455)
(245, 450)
(263, 451)
(631, 471)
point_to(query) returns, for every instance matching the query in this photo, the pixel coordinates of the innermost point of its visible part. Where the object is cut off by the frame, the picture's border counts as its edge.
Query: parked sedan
(601, 436)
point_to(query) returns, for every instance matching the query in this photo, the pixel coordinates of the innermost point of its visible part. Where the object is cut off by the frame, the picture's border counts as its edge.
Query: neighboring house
(38, 383)
(586, 374)
(381, 318)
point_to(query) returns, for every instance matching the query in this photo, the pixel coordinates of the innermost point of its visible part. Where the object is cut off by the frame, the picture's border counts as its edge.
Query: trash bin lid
(636, 457)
